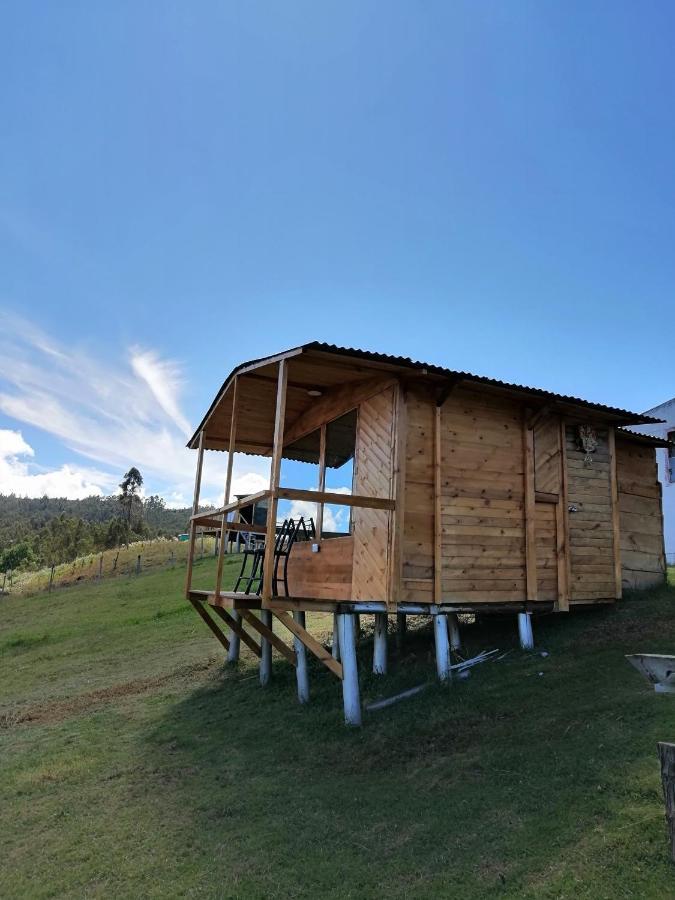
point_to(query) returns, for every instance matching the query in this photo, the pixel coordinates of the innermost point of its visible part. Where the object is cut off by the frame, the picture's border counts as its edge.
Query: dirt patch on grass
(56, 711)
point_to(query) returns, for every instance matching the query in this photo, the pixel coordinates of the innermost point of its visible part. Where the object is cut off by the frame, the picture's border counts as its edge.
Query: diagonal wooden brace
(218, 634)
(239, 630)
(310, 642)
(269, 635)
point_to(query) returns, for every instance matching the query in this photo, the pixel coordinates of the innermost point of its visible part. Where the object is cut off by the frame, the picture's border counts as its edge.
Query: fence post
(51, 578)
(117, 556)
(100, 566)
(138, 564)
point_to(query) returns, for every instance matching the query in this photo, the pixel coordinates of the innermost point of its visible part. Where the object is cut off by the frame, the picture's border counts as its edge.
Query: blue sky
(185, 186)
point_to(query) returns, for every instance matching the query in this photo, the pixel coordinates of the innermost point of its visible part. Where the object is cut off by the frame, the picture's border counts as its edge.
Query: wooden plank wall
(483, 540)
(640, 515)
(373, 477)
(547, 557)
(547, 455)
(418, 506)
(326, 575)
(591, 539)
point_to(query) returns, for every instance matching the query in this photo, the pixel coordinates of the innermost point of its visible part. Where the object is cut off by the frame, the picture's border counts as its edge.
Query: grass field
(136, 764)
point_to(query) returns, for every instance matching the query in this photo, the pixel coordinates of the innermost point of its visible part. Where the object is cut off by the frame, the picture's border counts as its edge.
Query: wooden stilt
(301, 656)
(380, 644)
(453, 628)
(350, 672)
(525, 631)
(401, 628)
(235, 642)
(336, 638)
(667, 757)
(266, 647)
(442, 647)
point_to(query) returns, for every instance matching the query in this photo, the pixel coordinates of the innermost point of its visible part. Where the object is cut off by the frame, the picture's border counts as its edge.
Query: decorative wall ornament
(588, 442)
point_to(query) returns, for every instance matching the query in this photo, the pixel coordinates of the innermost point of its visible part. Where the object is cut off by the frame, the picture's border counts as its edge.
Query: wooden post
(380, 644)
(525, 631)
(350, 672)
(401, 628)
(529, 509)
(442, 647)
(266, 649)
(277, 449)
(667, 757)
(51, 579)
(100, 566)
(336, 638)
(453, 628)
(616, 531)
(322, 480)
(228, 485)
(195, 507)
(138, 564)
(301, 656)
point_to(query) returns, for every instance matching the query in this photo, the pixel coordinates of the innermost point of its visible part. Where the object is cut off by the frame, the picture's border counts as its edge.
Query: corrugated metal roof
(628, 417)
(649, 439)
(481, 379)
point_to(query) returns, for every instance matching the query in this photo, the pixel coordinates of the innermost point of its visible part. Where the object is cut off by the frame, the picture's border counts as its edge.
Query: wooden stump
(667, 756)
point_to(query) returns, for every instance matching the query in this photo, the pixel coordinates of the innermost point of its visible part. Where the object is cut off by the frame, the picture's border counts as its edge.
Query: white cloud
(67, 481)
(335, 518)
(119, 414)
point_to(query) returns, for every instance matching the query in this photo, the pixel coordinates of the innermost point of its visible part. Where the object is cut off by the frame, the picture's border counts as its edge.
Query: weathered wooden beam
(616, 529)
(206, 618)
(195, 507)
(230, 507)
(275, 473)
(228, 484)
(264, 628)
(238, 629)
(337, 499)
(310, 642)
(667, 758)
(322, 480)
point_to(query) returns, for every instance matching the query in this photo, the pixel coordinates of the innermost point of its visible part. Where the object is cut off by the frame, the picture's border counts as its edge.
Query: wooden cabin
(467, 494)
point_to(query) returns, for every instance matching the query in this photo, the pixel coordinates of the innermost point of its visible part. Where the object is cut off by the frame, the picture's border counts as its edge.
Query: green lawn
(136, 764)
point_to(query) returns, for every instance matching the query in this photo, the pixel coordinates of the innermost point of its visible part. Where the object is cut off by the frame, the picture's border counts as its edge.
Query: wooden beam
(616, 530)
(438, 518)
(238, 629)
(563, 521)
(544, 497)
(195, 507)
(397, 515)
(537, 416)
(337, 499)
(269, 635)
(234, 504)
(268, 562)
(310, 642)
(201, 612)
(530, 513)
(322, 480)
(334, 403)
(447, 389)
(228, 486)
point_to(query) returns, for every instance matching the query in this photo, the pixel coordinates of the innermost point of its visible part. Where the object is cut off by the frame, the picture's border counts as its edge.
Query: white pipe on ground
(301, 655)
(350, 672)
(266, 649)
(380, 644)
(525, 631)
(235, 641)
(442, 647)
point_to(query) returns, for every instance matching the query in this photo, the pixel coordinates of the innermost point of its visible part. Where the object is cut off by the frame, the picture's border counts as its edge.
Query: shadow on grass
(506, 782)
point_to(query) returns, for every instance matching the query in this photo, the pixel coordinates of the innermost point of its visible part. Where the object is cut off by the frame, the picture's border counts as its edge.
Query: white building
(666, 462)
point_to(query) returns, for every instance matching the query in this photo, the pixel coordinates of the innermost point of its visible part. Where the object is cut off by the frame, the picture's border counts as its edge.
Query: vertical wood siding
(640, 515)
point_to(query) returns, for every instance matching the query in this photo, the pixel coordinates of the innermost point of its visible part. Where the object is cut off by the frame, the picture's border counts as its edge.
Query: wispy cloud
(117, 414)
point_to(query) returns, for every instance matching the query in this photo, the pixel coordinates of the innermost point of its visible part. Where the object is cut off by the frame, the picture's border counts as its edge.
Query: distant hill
(57, 530)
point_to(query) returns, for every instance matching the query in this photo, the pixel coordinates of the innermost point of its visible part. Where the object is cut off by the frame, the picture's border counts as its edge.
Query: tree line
(45, 531)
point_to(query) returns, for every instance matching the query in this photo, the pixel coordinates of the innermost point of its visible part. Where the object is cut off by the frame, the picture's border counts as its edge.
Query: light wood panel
(326, 575)
(640, 515)
(373, 476)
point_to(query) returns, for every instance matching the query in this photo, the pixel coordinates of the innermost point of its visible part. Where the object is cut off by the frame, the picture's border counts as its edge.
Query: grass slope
(134, 763)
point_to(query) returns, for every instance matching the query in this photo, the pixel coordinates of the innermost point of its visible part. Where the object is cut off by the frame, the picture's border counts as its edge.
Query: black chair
(254, 548)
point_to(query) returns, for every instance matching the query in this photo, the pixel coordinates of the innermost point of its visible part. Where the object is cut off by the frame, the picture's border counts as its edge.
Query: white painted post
(357, 626)
(525, 631)
(301, 656)
(235, 641)
(350, 671)
(336, 638)
(266, 649)
(442, 647)
(401, 627)
(380, 644)
(453, 628)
